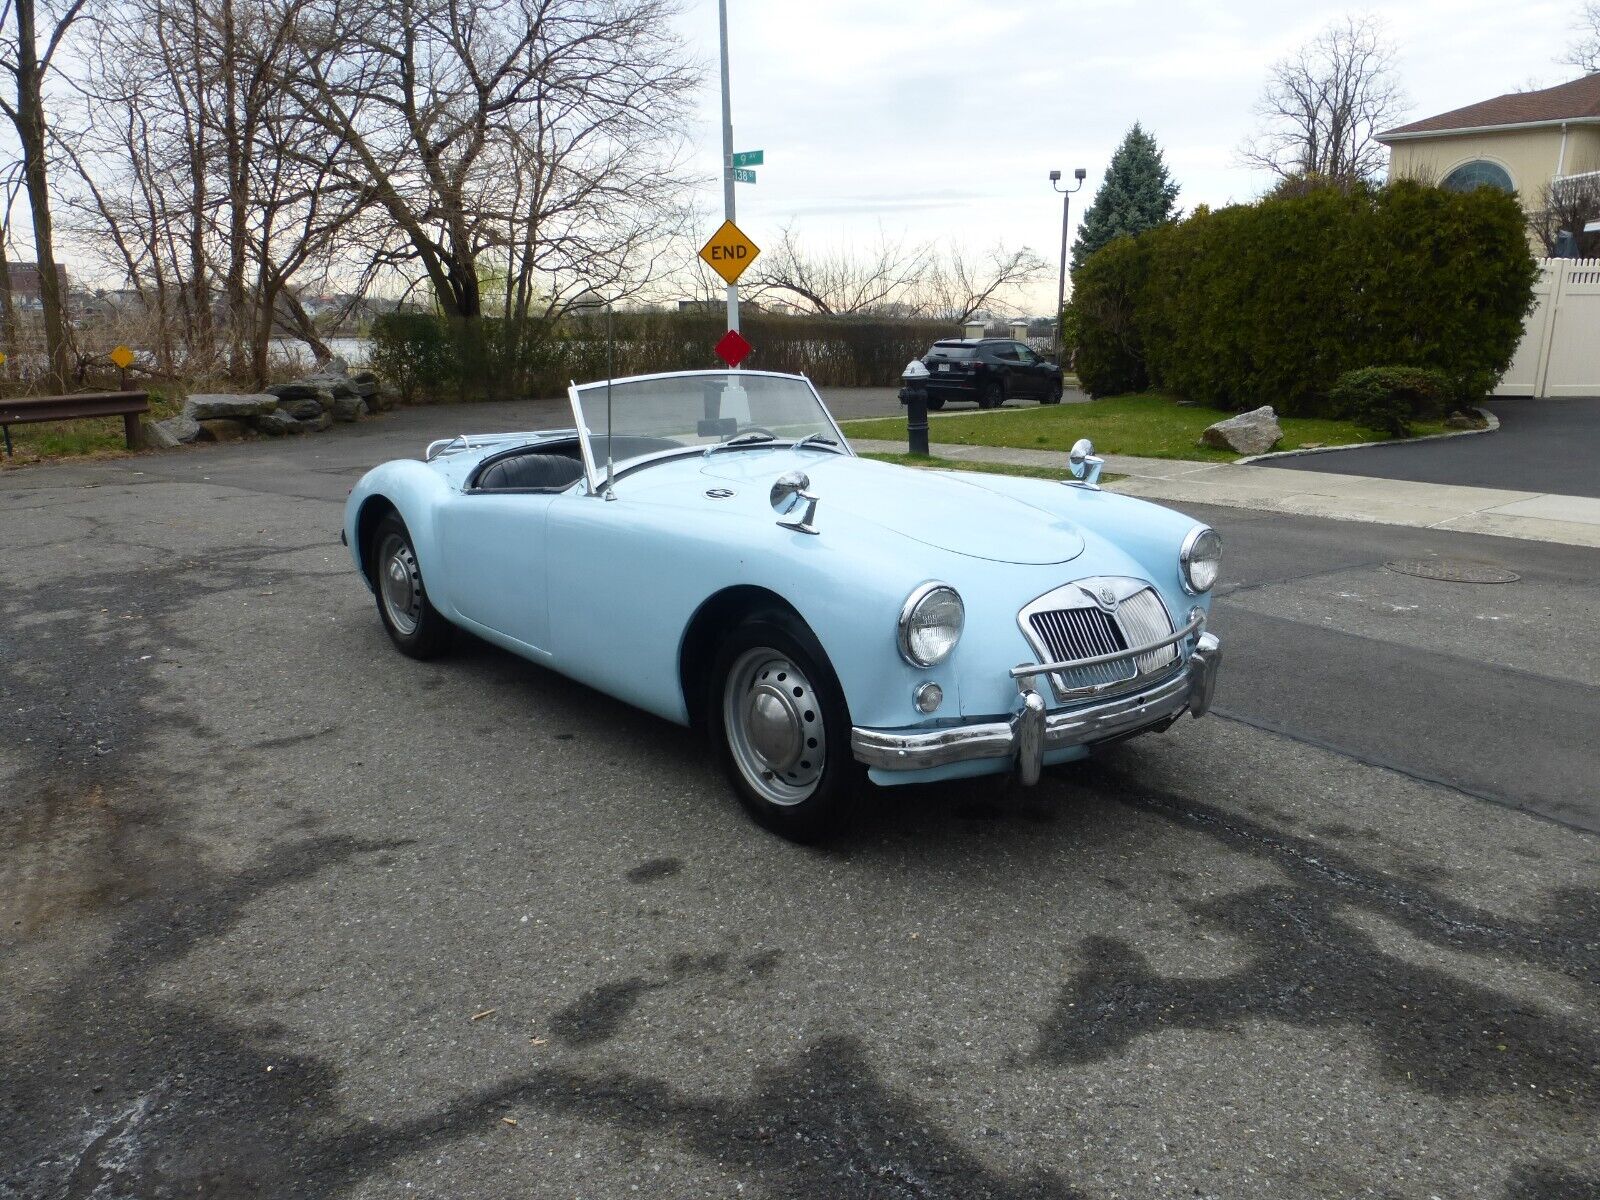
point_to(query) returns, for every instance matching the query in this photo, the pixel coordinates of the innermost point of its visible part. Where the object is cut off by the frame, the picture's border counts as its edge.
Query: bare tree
(960, 283)
(841, 281)
(1566, 205)
(540, 136)
(27, 64)
(1324, 105)
(1584, 53)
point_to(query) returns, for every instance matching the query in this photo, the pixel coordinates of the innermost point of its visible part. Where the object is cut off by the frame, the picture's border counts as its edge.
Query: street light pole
(1061, 283)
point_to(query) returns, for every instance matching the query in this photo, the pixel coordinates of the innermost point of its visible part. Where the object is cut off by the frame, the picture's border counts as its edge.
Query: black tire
(1052, 394)
(935, 403)
(414, 625)
(774, 659)
(992, 396)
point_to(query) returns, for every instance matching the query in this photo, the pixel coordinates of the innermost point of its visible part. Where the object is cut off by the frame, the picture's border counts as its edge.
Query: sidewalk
(1533, 516)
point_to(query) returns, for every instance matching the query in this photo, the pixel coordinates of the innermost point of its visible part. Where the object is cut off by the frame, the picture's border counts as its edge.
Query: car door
(495, 563)
(1036, 370)
(1020, 381)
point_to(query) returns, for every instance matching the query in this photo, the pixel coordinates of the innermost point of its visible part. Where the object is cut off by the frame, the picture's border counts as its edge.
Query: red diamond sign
(732, 348)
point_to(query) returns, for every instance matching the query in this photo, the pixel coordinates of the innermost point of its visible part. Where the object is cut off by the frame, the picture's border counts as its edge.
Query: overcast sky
(940, 120)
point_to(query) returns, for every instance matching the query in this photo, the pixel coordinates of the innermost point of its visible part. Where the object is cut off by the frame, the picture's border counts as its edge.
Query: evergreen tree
(1136, 194)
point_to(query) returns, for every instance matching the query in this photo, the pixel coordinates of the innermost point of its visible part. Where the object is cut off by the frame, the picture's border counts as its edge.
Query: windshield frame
(594, 463)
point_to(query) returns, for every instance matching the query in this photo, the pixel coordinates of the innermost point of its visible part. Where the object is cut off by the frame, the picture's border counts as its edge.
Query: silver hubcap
(774, 724)
(402, 584)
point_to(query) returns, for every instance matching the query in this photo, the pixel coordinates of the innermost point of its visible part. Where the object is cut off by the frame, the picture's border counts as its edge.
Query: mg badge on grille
(1108, 598)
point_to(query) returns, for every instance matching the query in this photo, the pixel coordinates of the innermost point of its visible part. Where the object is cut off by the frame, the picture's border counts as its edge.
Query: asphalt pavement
(285, 913)
(1541, 446)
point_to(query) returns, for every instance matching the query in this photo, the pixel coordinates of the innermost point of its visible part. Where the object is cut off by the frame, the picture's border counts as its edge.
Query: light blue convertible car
(705, 545)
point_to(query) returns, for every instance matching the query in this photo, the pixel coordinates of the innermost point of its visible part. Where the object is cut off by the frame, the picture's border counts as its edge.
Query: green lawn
(956, 464)
(1148, 425)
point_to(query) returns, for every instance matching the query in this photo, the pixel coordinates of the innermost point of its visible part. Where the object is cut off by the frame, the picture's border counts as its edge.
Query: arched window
(1478, 174)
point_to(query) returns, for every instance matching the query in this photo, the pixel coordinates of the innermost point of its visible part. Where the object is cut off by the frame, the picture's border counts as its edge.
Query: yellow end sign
(122, 358)
(729, 252)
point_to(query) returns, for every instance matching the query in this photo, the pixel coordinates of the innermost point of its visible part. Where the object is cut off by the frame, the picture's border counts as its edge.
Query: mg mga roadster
(707, 546)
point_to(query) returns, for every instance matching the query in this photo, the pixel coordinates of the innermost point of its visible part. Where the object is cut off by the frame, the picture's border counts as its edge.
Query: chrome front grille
(1144, 619)
(1081, 628)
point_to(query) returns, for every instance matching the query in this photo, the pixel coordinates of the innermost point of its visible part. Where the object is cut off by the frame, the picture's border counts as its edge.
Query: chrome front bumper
(1033, 732)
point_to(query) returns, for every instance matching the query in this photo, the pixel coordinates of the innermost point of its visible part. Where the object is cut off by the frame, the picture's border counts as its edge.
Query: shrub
(431, 358)
(1105, 292)
(1388, 399)
(1272, 303)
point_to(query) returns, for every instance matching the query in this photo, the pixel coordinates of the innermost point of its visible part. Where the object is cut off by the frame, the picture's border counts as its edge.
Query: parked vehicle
(705, 545)
(989, 371)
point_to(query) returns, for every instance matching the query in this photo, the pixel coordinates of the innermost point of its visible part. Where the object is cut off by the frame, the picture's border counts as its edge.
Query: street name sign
(729, 252)
(750, 158)
(740, 175)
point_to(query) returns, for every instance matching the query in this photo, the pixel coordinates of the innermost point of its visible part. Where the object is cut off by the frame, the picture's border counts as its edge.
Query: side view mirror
(1084, 464)
(789, 492)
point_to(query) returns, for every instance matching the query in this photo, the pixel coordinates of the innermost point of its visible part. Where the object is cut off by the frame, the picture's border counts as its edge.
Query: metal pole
(1061, 283)
(727, 153)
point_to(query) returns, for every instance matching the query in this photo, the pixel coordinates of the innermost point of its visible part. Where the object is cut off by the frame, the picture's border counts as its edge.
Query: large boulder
(349, 408)
(174, 431)
(304, 408)
(224, 429)
(212, 407)
(1253, 432)
(299, 389)
(275, 423)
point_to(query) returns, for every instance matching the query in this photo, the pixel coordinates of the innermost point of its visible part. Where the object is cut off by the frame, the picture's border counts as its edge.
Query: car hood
(948, 510)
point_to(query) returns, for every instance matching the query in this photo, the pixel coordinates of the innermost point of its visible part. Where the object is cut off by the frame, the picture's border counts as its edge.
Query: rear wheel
(414, 625)
(935, 403)
(781, 727)
(992, 396)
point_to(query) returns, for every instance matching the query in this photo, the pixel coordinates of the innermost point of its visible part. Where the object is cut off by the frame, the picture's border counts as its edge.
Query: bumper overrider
(1033, 732)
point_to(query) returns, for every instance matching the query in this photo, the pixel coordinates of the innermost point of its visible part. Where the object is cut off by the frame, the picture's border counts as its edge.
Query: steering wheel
(744, 429)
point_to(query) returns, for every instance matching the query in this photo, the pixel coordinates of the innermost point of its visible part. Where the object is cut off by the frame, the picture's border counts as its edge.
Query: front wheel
(782, 729)
(414, 625)
(1052, 394)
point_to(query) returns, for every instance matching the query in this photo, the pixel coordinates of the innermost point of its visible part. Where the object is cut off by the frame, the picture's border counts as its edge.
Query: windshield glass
(945, 350)
(669, 412)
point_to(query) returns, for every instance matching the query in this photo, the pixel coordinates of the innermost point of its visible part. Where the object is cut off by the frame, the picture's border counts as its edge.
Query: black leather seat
(544, 472)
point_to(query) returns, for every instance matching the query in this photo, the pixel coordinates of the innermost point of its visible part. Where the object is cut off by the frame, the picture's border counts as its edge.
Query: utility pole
(727, 155)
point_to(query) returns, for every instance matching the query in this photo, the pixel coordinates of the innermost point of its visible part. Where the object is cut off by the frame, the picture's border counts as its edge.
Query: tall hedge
(433, 358)
(1271, 303)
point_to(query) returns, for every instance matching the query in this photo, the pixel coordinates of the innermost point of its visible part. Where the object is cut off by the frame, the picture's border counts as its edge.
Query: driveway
(1542, 446)
(285, 913)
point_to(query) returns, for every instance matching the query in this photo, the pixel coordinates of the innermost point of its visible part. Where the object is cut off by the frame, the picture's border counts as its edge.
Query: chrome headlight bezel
(1187, 556)
(936, 592)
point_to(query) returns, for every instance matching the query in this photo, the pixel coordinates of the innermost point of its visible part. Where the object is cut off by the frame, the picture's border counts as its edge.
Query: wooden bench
(26, 410)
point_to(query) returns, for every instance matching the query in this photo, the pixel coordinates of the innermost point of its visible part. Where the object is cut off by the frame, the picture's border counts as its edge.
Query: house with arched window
(1519, 142)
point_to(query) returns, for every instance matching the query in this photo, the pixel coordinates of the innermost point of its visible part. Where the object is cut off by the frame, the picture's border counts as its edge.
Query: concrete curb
(1493, 426)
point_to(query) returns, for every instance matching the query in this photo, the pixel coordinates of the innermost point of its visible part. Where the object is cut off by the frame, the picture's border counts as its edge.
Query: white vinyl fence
(1560, 350)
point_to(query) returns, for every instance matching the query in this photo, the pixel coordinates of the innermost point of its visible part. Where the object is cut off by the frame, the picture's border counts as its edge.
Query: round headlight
(1200, 559)
(930, 624)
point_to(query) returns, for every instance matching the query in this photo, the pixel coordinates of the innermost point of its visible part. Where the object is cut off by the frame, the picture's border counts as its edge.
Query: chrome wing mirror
(1085, 465)
(789, 492)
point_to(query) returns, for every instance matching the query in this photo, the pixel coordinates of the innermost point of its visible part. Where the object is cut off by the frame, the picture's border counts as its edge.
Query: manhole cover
(1452, 570)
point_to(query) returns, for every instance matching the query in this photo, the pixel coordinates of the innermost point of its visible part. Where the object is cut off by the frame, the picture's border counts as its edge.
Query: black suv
(990, 371)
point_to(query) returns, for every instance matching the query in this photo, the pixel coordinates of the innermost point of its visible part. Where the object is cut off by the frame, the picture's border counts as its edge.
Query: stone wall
(308, 405)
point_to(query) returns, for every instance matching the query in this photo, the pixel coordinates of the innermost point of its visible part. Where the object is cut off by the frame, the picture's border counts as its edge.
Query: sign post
(122, 359)
(727, 163)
